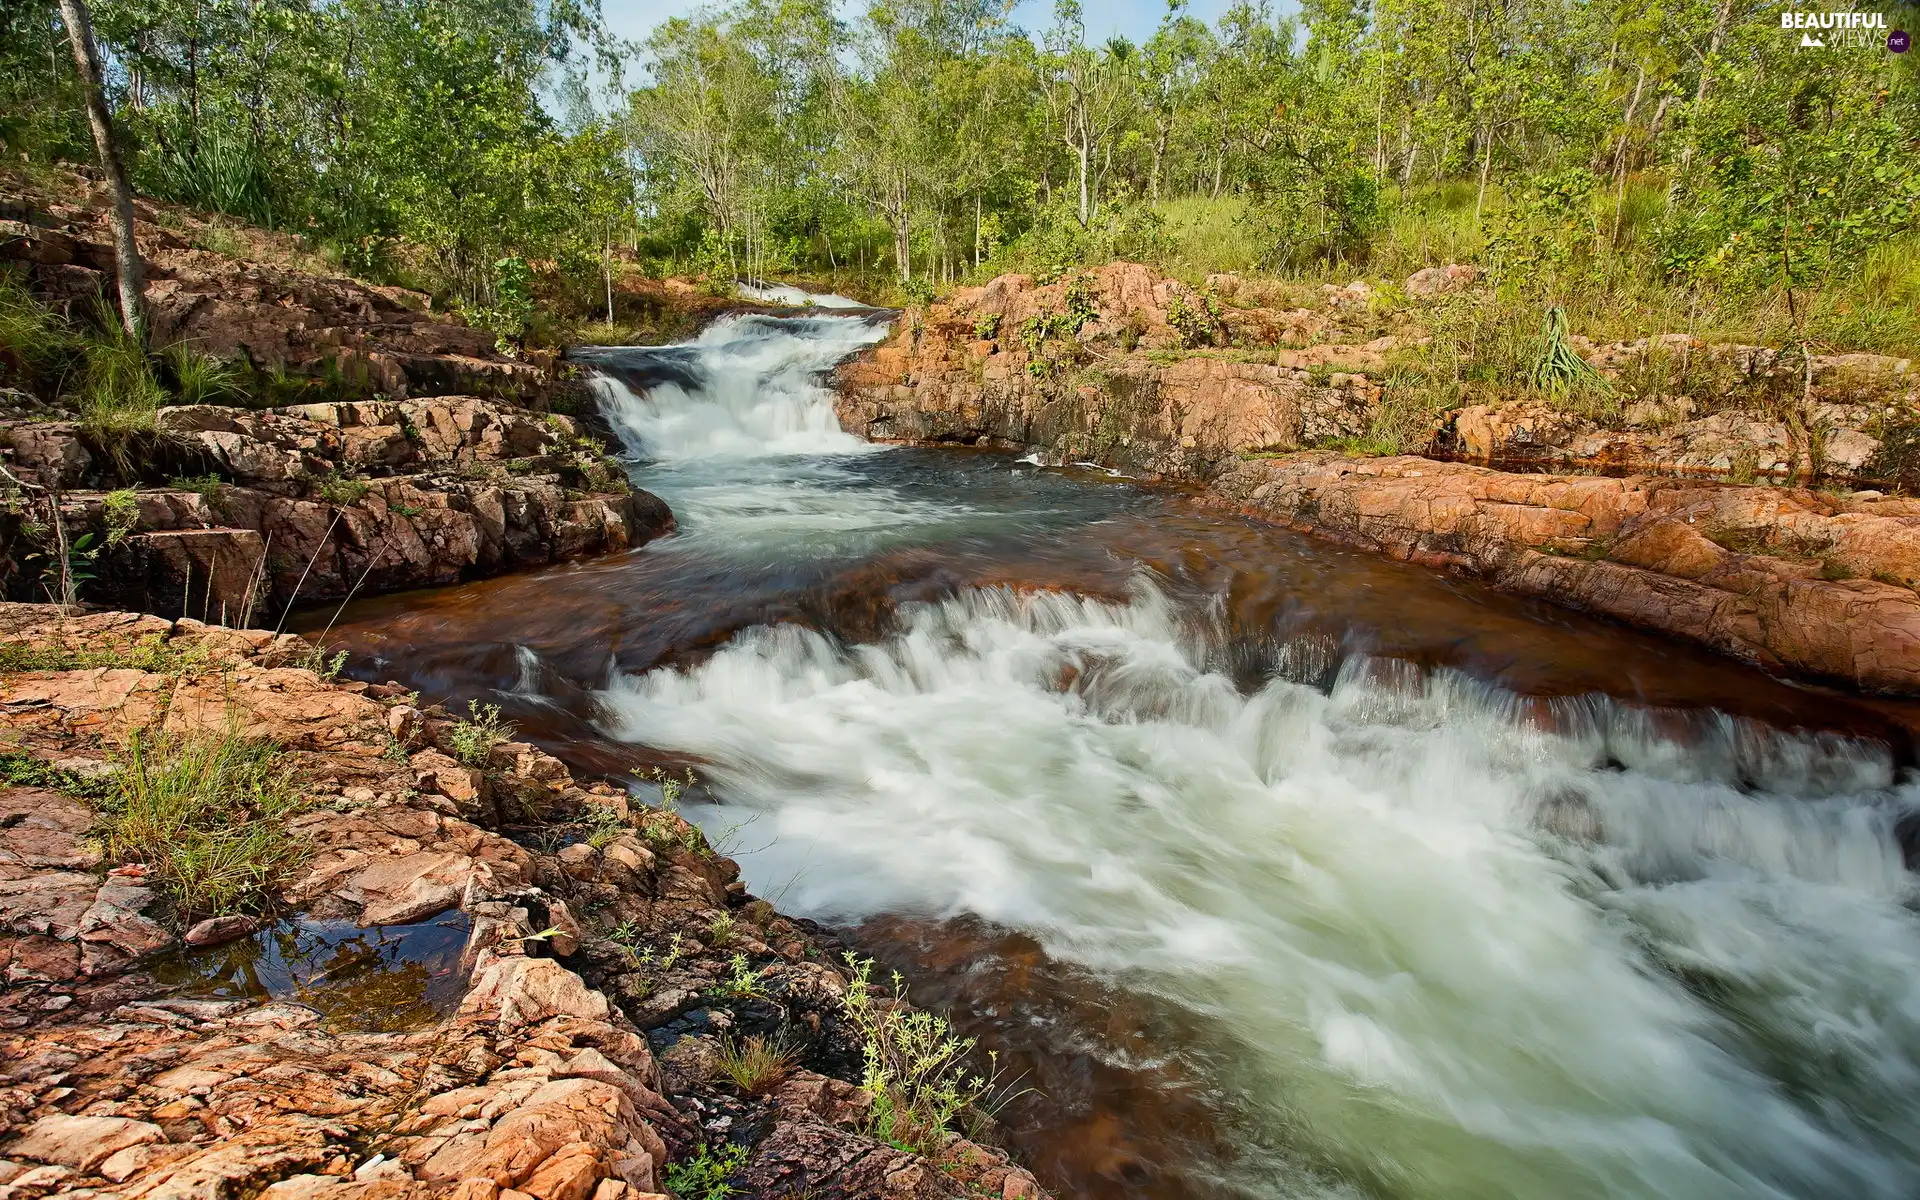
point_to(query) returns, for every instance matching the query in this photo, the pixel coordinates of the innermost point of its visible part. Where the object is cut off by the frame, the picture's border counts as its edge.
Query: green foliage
(474, 737)
(755, 1066)
(343, 490)
(914, 1064)
(744, 983)
(1196, 323)
(207, 487)
(119, 391)
(987, 327)
(207, 815)
(19, 769)
(1558, 368)
(154, 653)
(602, 824)
(196, 379)
(705, 1175)
(120, 511)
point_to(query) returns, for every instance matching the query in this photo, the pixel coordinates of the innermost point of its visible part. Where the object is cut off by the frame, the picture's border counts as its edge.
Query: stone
(1637, 550)
(82, 1142)
(215, 930)
(523, 991)
(573, 1172)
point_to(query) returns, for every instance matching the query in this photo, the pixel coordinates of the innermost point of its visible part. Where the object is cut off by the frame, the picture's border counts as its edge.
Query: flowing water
(1273, 870)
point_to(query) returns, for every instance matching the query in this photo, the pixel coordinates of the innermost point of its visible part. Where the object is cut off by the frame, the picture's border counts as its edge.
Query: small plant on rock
(722, 932)
(755, 1066)
(705, 1175)
(915, 1065)
(121, 511)
(474, 738)
(207, 814)
(344, 491)
(1195, 323)
(602, 824)
(745, 982)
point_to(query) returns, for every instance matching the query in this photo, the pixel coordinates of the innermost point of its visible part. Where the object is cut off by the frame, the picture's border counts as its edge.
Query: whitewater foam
(1446, 941)
(746, 387)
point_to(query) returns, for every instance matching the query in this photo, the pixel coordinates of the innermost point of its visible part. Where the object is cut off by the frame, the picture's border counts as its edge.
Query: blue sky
(1135, 19)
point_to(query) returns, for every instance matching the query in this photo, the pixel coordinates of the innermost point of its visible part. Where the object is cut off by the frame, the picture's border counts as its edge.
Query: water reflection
(381, 979)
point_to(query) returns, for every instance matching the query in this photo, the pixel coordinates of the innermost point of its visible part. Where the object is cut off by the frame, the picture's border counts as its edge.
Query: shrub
(474, 738)
(207, 814)
(1195, 323)
(344, 491)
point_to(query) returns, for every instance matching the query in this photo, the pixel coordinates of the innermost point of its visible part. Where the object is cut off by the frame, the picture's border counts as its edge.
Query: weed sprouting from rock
(207, 815)
(474, 737)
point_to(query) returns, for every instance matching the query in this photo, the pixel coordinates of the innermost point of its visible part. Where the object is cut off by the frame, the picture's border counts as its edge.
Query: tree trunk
(126, 254)
(1084, 215)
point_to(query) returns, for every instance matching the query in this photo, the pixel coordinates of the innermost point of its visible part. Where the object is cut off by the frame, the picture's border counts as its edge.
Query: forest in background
(1676, 165)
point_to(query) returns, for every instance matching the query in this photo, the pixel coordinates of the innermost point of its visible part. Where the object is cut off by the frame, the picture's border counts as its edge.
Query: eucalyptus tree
(1090, 99)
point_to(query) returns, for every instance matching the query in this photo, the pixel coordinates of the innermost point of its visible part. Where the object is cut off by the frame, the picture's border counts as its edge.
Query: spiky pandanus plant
(1558, 368)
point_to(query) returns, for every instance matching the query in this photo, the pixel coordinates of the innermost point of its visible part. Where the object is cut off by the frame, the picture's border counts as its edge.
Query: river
(1270, 869)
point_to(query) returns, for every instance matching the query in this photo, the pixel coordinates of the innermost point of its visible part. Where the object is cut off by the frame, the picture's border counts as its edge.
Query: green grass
(24, 770)
(153, 653)
(755, 1065)
(207, 814)
(197, 379)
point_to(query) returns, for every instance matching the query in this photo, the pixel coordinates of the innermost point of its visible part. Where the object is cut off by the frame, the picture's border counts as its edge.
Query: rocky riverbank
(1788, 579)
(1670, 532)
(419, 452)
(600, 1010)
(260, 510)
(1123, 366)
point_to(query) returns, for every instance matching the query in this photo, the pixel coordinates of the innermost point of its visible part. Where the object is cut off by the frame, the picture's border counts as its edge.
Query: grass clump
(474, 737)
(207, 814)
(705, 1175)
(602, 825)
(197, 379)
(153, 653)
(914, 1064)
(119, 391)
(755, 1066)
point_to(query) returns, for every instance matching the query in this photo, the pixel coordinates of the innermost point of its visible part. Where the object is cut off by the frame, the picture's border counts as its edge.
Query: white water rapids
(1438, 947)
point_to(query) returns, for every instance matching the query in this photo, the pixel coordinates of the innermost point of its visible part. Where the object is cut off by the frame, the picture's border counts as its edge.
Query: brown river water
(1267, 868)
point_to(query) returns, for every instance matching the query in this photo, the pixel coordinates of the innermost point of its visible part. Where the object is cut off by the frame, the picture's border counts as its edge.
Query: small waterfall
(747, 387)
(784, 293)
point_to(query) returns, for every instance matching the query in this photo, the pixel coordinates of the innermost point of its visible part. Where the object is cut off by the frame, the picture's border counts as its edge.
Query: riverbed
(1266, 868)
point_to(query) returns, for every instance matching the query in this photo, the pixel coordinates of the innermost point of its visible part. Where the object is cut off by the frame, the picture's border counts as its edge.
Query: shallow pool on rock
(382, 978)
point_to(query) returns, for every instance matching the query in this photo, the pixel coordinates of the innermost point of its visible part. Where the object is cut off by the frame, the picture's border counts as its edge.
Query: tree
(127, 267)
(1089, 98)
